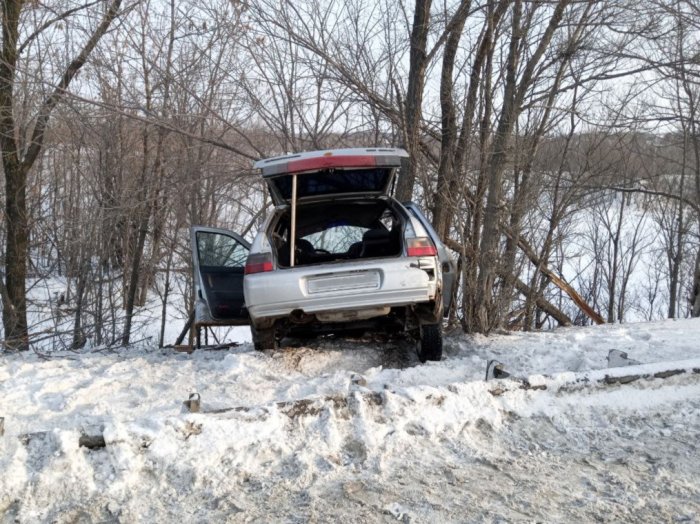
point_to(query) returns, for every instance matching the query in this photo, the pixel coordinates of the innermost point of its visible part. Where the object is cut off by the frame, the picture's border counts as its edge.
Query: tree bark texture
(414, 97)
(14, 310)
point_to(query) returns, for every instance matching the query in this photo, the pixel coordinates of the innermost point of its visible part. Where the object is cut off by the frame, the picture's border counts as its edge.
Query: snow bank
(358, 430)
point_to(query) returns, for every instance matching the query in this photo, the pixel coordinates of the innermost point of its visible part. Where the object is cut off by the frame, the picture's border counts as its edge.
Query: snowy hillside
(358, 430)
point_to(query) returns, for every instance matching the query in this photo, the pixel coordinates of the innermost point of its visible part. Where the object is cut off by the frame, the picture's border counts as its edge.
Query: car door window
(220, 250)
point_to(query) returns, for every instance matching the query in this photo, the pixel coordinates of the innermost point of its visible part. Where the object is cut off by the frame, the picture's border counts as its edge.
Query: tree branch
(37, 141)
(694, 205)
(556, 279)
(51, 22)
(546, 306)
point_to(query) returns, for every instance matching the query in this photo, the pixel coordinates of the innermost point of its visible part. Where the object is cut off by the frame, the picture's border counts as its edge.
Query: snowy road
(599, 464)
(358, 431)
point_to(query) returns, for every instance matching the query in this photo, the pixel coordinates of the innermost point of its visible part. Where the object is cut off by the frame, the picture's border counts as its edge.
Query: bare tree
(20, 154)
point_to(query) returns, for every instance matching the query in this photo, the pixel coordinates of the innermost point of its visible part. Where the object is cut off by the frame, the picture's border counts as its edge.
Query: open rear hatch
(331, 173)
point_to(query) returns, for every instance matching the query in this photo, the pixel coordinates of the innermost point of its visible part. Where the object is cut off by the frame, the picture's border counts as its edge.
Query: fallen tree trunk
(545, 305)
(555, 279)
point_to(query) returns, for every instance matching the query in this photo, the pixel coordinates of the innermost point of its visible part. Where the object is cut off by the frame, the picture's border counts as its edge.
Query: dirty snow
(357, 429)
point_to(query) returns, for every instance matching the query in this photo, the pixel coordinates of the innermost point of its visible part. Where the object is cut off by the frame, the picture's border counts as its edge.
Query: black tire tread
(264, 338)
(430, 343)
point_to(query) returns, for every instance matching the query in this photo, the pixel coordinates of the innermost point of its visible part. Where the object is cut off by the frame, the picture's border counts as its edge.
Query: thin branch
(51, 22)
(694, 205)
(37, 141)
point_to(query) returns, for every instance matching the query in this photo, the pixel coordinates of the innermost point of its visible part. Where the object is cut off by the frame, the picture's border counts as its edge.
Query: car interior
(335, 231)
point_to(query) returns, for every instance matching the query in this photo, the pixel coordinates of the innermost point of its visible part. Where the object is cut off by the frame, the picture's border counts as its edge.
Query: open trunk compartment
(338, 231)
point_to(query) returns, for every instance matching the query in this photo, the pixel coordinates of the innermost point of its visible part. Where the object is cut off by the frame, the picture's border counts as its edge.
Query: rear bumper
(276, 294)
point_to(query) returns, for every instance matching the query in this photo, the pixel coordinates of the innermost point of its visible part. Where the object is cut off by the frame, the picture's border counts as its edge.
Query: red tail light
(420, 247)
(258, 263)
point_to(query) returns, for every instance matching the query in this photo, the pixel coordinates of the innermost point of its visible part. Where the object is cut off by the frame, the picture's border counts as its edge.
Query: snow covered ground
(358, 430)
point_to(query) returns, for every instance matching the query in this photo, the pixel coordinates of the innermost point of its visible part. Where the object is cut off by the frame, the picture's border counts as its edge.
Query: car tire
(264, 338)
(430, 342)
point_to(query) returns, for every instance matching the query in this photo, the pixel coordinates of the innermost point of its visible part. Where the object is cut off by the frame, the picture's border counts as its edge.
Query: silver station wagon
(338, 255)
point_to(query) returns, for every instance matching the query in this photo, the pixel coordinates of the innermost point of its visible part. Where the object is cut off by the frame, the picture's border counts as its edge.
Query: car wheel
(430, 342)
(264, 338)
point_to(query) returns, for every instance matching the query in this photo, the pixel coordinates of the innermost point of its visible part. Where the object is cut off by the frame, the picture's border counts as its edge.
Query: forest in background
(554, 144)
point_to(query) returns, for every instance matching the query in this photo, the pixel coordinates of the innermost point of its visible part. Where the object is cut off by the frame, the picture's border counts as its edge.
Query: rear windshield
(331, 181)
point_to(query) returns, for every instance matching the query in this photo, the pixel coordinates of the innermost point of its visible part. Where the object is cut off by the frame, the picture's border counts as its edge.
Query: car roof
(357, 157)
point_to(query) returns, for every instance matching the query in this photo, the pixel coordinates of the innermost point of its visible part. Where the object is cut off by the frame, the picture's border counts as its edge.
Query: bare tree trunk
(488, 252)
(132, 285)
(444, 205)
(612, 274)
(522, 184)
(14, 311)
(677, 256)
(166, 295)
(99, 301)
(78, 333)
(513, 96)
(695, 297)
(473, 223)
(414, 97)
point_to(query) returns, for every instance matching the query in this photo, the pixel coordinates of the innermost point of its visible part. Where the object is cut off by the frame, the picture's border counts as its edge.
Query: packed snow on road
(359, 430)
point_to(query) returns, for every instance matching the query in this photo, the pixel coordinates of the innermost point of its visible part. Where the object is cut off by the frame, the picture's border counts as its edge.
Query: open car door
(218, 259)
(449, 268)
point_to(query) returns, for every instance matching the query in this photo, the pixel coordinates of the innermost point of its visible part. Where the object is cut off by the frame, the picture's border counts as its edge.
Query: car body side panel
(449, 268)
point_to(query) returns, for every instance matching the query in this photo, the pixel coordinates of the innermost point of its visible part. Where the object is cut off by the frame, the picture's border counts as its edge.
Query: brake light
(330, 160)
(420, 247)
(258, 263)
